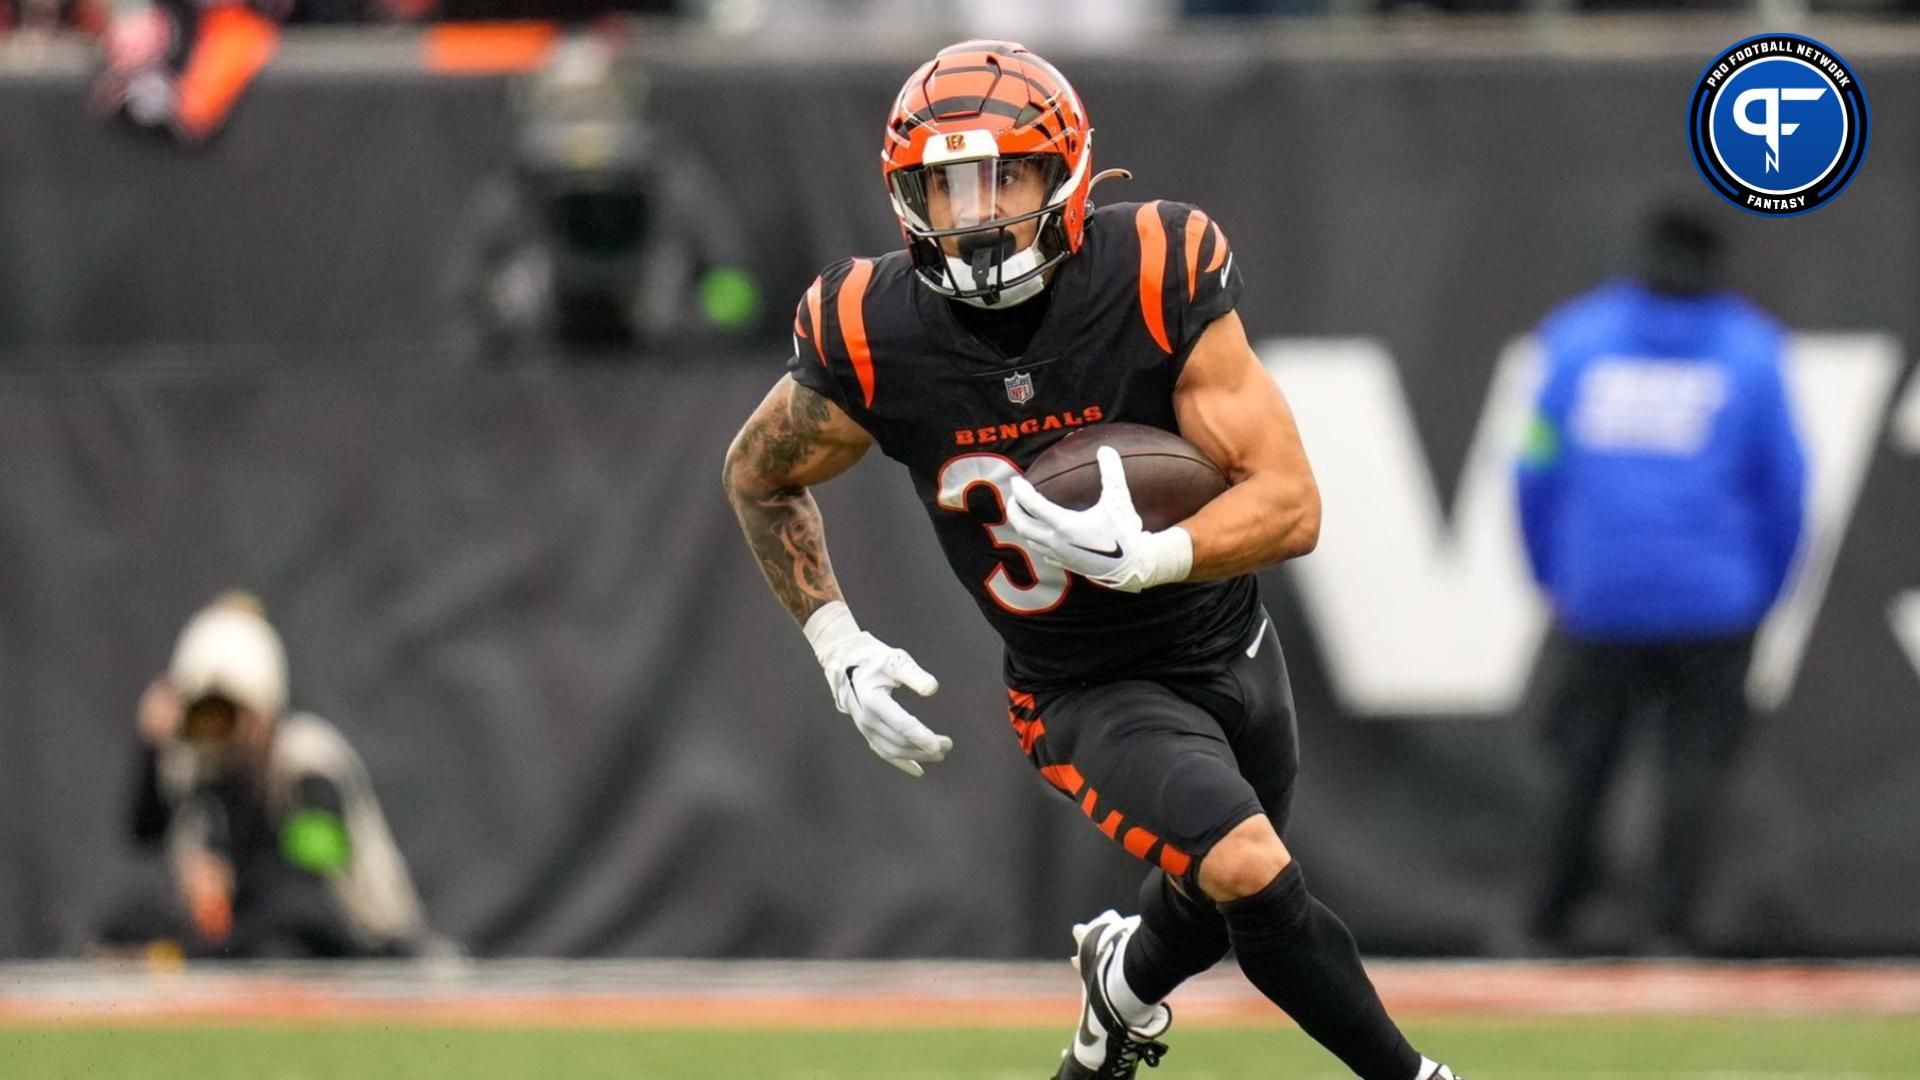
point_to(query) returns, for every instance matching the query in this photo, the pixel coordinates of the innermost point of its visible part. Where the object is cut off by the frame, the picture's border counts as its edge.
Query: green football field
(1761, 1049)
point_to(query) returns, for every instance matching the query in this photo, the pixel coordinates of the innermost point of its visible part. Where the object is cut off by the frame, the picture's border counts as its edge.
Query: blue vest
(1662, 484)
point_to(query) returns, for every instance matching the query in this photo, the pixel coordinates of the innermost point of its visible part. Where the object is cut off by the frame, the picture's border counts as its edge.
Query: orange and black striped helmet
(982, 117)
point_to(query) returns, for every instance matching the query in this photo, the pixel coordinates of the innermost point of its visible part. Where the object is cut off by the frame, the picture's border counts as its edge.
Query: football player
(1144, 679)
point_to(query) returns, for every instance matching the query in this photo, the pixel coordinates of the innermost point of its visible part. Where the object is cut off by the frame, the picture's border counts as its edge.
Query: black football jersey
(1124, 313)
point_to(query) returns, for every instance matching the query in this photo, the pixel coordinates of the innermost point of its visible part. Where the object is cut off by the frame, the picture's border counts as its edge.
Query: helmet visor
(966, 196)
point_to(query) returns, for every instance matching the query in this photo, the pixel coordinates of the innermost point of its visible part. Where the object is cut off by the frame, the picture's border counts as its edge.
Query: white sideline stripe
(1564, 990)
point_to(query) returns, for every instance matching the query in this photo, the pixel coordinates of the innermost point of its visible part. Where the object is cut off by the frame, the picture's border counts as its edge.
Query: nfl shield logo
(1019, 388)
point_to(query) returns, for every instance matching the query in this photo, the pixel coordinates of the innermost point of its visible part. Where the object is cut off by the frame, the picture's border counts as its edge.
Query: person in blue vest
(1661, 494)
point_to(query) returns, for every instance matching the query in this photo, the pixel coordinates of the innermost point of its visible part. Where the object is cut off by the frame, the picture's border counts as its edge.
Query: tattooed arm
(795, 439)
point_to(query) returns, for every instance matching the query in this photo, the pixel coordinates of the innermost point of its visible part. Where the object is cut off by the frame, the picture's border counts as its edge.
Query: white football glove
(1105, 543)
(863, 672)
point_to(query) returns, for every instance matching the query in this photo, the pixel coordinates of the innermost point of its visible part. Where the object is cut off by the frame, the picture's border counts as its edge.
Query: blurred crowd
(178, 66)
(1088, 18)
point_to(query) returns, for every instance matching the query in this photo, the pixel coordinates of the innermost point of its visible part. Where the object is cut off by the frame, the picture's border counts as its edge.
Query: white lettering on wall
(1422, 612)
(1904, 613)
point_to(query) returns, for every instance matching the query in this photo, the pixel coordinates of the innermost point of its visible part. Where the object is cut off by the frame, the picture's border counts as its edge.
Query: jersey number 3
(957, 478)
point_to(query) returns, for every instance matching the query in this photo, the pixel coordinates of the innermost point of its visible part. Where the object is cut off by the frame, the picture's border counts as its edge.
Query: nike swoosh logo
(1259, 637)
(1089, 954)
(1087, 1036)
(1112, 554)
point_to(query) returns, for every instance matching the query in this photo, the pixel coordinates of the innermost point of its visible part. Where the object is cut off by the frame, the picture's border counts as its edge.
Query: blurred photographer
(274, 843)
(607, 236)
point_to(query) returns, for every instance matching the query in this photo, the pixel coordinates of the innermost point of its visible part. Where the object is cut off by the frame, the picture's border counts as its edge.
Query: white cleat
(1105, 1047)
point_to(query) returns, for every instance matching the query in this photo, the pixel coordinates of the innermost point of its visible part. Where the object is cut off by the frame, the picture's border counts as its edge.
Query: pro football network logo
(1778, 124)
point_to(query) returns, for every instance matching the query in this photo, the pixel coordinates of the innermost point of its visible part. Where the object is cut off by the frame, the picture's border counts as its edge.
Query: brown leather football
(1169, 477)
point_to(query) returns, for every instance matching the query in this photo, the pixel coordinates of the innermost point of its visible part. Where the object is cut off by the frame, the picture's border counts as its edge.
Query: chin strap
(982, 265)
(977, 270)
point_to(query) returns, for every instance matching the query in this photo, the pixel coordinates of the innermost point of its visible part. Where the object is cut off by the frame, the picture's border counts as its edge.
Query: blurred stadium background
(293, 348)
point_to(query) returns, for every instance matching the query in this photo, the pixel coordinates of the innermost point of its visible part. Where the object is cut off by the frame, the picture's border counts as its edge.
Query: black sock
(1178, 939)
(1302, 958)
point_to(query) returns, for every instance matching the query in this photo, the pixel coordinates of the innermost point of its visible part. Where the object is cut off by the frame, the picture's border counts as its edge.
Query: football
(1169, 477)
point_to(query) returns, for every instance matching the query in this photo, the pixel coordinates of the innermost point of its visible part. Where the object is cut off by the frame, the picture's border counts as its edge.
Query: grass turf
(1761, 1049)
